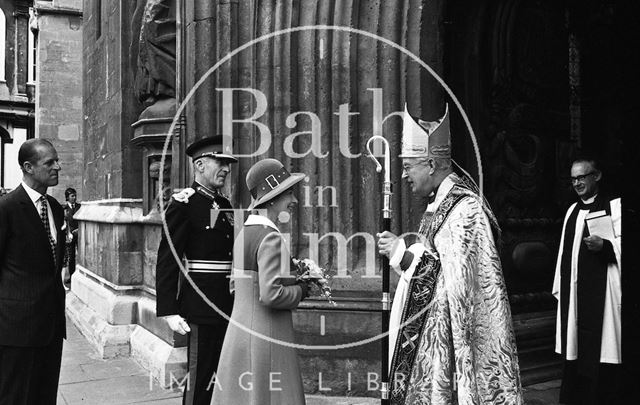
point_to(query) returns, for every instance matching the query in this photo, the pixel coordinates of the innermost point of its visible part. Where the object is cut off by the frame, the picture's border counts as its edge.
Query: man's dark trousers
(29, 375)
(204, 346)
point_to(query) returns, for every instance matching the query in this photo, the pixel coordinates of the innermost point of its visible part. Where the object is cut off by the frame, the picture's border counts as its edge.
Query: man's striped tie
(44, 216)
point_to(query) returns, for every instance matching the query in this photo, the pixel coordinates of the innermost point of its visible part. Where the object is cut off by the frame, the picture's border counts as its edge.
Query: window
(33, 47)
(11, 173)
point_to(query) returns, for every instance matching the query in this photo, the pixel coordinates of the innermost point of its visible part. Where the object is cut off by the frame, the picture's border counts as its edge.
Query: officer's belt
(208, 266)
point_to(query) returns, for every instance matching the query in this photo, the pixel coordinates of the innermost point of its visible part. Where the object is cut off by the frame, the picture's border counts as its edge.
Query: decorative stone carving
(154, 61)
(528, 116)
(154, 181)
(156, 67)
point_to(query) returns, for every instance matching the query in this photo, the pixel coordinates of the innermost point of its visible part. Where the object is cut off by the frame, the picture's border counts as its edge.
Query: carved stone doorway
(508, 63)
(532, 78)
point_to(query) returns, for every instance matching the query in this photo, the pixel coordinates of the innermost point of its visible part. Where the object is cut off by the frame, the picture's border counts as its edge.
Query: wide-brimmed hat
(211, 146)
(425, 138)
(267, 179)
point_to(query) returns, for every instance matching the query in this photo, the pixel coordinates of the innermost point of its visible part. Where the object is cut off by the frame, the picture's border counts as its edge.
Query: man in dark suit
(32, 319)
(71, 228)
(203, 242)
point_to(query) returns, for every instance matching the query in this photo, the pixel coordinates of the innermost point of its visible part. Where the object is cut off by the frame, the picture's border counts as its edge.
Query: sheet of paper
(600, 224)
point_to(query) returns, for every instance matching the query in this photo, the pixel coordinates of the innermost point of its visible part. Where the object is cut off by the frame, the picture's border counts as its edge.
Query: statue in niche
(154, 181)
(156, 56)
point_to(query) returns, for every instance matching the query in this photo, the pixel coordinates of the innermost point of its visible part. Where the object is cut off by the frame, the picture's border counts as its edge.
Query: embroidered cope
(451, 335)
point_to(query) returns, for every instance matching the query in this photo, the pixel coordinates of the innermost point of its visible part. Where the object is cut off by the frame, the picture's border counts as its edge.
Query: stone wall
(59, 92)
(112, 166)
(112, 299)
(119, 243)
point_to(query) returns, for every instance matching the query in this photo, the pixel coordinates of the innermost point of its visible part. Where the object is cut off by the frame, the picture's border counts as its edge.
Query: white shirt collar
(589, 200)
(255, 219)
(443, 190)
(33, 194)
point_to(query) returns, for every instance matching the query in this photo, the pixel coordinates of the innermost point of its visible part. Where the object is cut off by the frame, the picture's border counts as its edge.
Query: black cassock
(586, 380)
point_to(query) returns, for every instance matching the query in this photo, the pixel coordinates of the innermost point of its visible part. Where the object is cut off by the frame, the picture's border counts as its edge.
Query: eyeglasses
(408, 166)
(581, 178)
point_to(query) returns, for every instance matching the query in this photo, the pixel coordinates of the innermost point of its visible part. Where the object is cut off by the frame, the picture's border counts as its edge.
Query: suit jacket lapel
(33, 221)
(31, 215)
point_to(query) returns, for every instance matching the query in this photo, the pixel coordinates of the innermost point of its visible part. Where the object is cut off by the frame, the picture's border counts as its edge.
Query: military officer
(203, 241)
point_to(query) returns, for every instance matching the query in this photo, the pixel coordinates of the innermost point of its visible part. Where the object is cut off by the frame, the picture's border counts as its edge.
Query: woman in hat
(256, 364)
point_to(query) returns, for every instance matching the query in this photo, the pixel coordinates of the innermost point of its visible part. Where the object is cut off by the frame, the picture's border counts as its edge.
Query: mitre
(425, 138)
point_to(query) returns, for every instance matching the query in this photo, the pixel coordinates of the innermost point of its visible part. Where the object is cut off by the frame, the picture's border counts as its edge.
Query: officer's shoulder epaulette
(183, 196)
(210, 194)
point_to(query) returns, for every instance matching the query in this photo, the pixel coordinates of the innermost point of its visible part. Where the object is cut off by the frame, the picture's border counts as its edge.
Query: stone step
(541, 373)
(535, 336)
(539, 364)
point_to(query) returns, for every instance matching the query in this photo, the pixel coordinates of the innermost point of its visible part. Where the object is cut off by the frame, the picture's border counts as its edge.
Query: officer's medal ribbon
(215, 211)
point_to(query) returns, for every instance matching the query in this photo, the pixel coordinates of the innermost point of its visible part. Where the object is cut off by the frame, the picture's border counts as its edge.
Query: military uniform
(205, 248)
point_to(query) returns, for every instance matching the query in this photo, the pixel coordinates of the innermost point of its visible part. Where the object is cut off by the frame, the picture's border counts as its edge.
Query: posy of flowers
(315, 276)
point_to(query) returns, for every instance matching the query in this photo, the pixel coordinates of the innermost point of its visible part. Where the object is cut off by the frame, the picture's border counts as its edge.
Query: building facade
(17, 87)
(40, 92)
(525, 75)
(57, 25)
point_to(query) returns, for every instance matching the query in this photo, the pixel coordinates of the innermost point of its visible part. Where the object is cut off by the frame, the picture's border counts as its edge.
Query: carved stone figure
(154, 179)
(156, 62)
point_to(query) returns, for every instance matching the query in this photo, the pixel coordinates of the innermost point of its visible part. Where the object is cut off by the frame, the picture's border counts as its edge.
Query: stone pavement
(88, 380)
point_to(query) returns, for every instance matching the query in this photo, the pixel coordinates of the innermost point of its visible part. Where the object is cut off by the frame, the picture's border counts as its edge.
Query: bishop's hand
(386, 243)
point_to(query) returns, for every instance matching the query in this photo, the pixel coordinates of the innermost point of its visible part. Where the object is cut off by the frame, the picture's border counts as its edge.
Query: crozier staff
(386, 225)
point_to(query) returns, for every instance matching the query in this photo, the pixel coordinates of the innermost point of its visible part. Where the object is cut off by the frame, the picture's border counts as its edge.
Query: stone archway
(507, 62)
